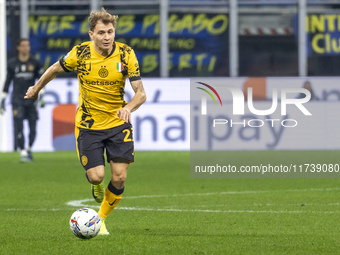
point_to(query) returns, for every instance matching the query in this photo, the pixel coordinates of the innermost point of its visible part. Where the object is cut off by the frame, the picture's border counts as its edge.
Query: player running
(103, 117)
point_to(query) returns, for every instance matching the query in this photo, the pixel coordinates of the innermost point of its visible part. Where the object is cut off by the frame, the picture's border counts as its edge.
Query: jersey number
(127, 137)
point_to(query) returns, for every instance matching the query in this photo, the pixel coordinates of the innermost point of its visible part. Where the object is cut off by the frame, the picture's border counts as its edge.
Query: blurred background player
(307, 85)
(103, 116)
(23, 70)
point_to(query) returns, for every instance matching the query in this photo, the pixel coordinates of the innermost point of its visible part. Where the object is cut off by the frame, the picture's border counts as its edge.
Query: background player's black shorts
(25, 111)
(117, 141)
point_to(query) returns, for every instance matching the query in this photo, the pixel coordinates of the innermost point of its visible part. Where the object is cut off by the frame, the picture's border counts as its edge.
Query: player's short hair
(102, 16)
(18, 42)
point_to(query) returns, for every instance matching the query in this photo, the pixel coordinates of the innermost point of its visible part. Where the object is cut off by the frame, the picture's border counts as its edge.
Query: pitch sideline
(81, 203)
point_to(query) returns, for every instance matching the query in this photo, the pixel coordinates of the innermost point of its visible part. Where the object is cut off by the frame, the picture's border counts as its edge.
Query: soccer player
(23, 70)
(103, 117)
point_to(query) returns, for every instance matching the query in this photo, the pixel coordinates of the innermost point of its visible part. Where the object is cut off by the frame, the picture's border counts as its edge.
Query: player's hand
(32, 93)
(124, 114)
(2, 106)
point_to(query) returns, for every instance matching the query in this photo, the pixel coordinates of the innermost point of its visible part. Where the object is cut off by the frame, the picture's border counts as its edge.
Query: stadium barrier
(163, 122)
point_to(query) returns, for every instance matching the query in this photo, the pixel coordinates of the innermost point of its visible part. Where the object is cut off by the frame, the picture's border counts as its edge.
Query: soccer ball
(84, 223)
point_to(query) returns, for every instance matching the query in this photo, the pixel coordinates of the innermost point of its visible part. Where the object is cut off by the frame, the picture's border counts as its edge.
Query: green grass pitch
(164, 211)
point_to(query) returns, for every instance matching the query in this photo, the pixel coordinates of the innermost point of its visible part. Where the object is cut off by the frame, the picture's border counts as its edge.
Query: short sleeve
(69, 61)
(133, 71)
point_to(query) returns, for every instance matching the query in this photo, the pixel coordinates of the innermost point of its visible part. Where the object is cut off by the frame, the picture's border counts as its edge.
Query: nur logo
(204, 99)
(239, 100)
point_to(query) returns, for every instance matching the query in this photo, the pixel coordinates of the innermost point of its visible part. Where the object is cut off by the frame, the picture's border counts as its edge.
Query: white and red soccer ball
(85, 223)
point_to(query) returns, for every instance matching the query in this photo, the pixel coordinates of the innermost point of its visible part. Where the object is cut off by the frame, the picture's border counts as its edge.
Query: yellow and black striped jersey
(101, 82)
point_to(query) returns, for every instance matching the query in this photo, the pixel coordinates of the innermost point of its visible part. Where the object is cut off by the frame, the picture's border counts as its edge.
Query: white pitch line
(232, 193)
(80, 203)
(219, 211)
(186, 210)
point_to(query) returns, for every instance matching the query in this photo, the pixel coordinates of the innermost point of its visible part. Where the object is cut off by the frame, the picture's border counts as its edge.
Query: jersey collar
(101, 56)
(113, 50)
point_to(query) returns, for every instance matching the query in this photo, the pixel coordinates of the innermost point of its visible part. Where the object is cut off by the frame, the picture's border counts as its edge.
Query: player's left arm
(138, 99)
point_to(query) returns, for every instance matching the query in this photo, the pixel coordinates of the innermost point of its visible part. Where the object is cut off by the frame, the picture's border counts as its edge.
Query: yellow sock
(111, 199)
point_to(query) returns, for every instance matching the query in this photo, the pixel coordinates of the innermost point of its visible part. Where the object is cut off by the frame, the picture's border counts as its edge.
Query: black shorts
(28, 112)
(117, 141)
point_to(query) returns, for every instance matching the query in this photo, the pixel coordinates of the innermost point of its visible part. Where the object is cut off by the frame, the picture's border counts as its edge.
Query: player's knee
(95, 177)
(119, 178)
(95, 180)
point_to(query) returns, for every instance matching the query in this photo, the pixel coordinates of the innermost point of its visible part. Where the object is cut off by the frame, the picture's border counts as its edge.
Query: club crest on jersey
(120, 66)
(31, 68)
(84, 160)
(103, 72)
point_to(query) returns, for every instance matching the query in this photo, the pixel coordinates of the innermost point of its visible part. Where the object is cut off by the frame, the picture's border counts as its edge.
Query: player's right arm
(9, 78)
(49, 75)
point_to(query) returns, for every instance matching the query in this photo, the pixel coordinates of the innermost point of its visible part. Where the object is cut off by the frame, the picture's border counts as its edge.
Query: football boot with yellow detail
(103, 231)
(98, 192)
